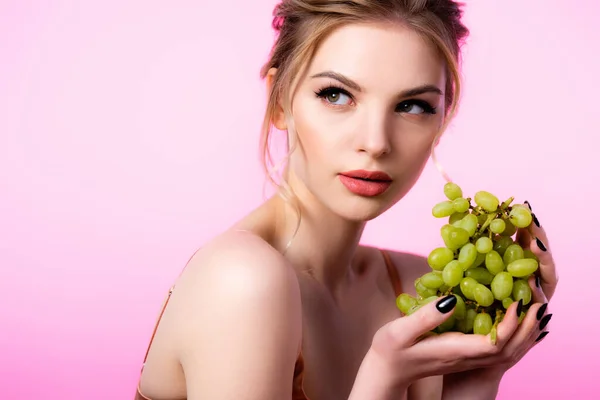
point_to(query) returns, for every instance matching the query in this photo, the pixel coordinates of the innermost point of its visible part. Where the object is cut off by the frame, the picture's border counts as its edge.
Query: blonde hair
(302, 24)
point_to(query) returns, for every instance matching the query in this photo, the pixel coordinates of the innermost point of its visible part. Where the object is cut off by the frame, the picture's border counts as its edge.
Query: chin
(361, 209)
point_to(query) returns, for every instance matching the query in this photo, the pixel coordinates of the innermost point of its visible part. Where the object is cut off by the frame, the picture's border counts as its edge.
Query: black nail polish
(542, 335)
(528, 205)
(537, 281)
(446, 304)
(535, 220)
(519, 308)
(545, 321)
(540, 244)
(541, 311)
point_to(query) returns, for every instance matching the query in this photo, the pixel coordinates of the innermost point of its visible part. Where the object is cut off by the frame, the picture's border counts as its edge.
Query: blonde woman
(286, 304)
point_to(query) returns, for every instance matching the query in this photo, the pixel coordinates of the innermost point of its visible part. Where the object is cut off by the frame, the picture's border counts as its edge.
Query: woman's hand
(410, 353)
(484, 382)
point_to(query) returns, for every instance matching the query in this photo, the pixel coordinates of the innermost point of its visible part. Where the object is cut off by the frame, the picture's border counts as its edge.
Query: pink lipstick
(366, 183)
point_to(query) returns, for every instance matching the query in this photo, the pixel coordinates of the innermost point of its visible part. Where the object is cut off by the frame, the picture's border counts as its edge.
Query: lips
(375, 176)
(366, 183)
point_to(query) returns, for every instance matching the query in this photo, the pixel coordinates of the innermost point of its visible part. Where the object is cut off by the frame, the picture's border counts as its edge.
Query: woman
(287, 304)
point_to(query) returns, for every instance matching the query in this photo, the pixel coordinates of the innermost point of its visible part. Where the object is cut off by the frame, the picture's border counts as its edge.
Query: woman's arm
(239, 322)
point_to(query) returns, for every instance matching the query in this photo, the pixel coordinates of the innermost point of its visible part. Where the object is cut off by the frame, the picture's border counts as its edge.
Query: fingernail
(545, 321)
(535, 220)
(541, 311)
(446, 304)
(540, 244)
(519, 308)
(528, 205)
(537, 281)
(542, 335)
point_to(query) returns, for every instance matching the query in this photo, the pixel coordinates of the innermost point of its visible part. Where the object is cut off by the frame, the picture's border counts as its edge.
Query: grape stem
(506, 203)
(487, 222)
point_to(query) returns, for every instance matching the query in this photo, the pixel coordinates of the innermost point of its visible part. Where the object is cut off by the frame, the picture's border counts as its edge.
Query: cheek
(315, 135)
(415, 136)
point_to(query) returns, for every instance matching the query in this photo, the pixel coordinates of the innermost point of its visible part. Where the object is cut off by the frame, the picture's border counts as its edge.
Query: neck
(324, 244)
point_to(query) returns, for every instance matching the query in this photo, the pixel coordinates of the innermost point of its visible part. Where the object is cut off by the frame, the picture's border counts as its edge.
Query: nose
(373, 137)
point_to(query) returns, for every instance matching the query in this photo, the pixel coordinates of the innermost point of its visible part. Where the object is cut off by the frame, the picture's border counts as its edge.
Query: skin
(245, 306)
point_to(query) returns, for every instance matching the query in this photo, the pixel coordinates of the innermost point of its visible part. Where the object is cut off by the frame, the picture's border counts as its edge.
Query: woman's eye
(335, 97)
(415, 107)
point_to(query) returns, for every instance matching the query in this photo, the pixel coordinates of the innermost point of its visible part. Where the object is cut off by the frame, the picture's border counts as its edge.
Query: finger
(547, 268)
(407, 330)
(509, 325)
(537, 294)
(525, 335)
(457, 346)
(537, 229)
(537, 335)
(536, 239)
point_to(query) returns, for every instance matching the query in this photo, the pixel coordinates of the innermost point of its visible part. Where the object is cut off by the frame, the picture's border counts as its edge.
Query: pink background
(126, 127)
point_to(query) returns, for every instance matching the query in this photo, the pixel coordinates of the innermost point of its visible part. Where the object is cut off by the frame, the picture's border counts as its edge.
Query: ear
(279, 115)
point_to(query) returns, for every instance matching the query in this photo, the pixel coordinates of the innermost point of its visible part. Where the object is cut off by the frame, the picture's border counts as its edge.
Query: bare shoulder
(240, 261)
(238, 317)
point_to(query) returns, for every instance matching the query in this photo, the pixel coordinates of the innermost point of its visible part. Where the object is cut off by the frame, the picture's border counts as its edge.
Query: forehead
(380, 56)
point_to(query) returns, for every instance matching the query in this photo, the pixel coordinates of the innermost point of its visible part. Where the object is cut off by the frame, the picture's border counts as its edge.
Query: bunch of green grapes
(481, 262)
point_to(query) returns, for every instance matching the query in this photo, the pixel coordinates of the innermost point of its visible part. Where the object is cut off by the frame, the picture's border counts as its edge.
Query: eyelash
(333, 89)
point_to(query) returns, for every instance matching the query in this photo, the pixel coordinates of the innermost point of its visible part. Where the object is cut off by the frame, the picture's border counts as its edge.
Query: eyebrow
(427, 88)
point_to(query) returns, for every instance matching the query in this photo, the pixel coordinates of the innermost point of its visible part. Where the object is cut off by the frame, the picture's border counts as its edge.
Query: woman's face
(372, 100)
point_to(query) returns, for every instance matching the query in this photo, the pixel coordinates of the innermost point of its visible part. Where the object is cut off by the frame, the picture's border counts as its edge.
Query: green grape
(497, 226)
(484, 245)
(502, 285)
(510, 229)
(456, 290)
(479, 260)
(480, 274)
(466, 325)
(456, 217)
(432, 280)
(454, 237)
(447, 325)
(424, 291)
(469, 224)
(461, 204)
(461, 325)
(467, 287)
(405, 302)
(522, 316)
(501, 243)
(506, 302)
(482, 324)
(494, 263)
(481, 218)
(444, 288)
(483, 295)
(512, 253)
(413, 309)
(520, 216)
(487, 201)
(460, 308)
(428, 300)
(453, 273)
(438, 258)
(521, 291)
(529, 254)
(522, 268)
(452, 191)
(467, 256)
(443, 209)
